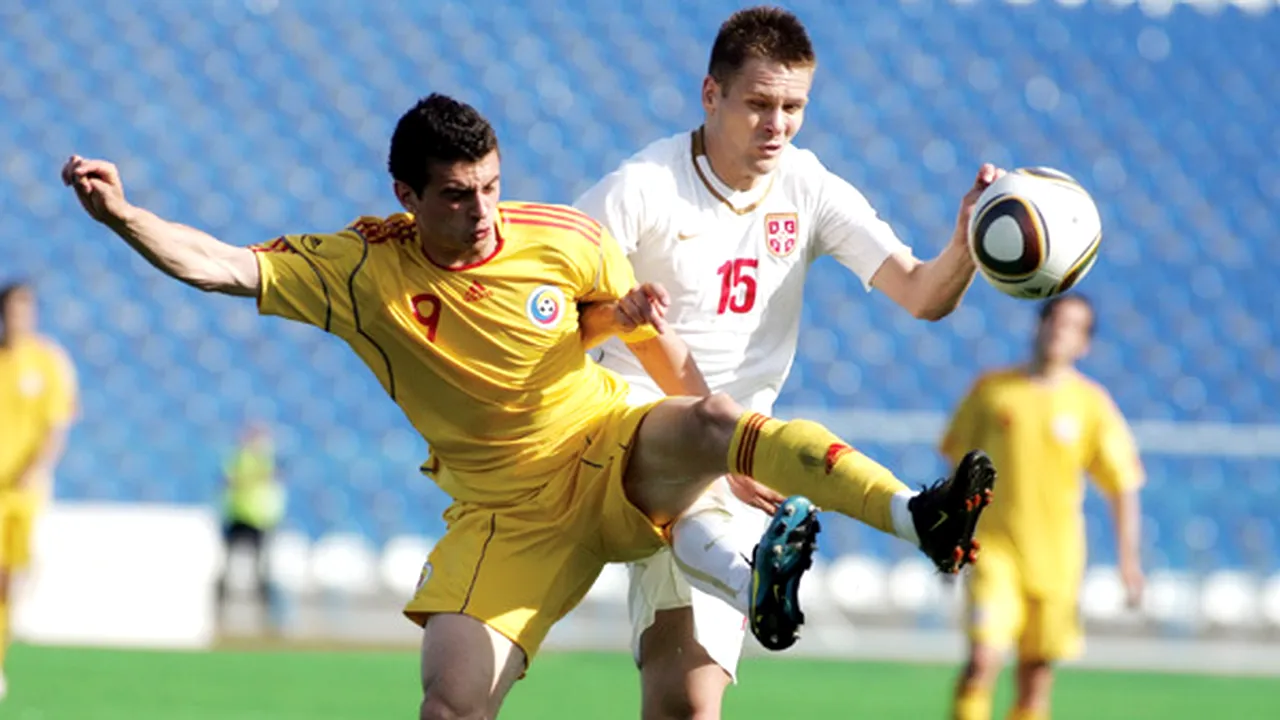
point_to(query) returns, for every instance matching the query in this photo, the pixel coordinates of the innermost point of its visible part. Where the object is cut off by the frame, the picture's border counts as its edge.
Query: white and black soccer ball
(1035, 233)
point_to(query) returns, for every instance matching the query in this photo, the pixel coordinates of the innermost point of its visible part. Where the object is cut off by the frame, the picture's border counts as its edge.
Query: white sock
(904, 526)
(711, 548)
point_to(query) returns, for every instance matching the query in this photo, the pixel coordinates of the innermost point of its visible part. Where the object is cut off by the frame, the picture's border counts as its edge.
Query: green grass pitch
(57, 683)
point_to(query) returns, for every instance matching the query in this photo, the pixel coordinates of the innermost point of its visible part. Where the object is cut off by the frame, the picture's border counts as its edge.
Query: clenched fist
(646, 304)
(98, 187)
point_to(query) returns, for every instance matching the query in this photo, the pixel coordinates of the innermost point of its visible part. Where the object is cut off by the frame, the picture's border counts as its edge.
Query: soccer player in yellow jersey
(475, 316)
(1044, 425)
(37, 406)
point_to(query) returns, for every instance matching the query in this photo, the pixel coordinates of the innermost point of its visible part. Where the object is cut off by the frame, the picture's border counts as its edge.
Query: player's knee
(673, 704)
(439, 705)
(717, 414)
(1035, 670)
(685, 708)
(678, 701)
(452, 700)
(982, 668)
(694, 707)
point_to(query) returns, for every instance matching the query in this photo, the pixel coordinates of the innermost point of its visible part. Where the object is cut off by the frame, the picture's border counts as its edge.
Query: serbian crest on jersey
(781, 233)
(545, 306)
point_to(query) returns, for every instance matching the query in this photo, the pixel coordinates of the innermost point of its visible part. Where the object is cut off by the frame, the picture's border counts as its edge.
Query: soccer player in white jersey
(728, 218)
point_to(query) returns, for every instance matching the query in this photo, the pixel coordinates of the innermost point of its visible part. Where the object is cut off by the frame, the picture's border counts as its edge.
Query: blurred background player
(37, 406)
(1045, 425)
(253, 504)
(729, 218)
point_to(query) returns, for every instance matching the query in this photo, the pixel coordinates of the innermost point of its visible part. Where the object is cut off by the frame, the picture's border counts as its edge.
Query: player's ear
(407, 197)
(710, 94)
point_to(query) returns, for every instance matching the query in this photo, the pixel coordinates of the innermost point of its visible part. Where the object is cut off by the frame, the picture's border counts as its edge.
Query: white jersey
(734, 262)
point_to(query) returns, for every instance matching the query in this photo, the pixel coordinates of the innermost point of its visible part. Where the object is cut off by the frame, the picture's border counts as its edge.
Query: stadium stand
(254, 118)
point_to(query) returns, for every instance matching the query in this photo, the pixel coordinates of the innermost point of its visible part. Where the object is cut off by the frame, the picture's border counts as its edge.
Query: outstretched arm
(928, 290)
(192, 256)
(932, 290)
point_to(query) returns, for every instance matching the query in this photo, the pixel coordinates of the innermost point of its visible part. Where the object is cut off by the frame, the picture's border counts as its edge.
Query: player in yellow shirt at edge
(1044, 424)
(37, 407)
(475, 316)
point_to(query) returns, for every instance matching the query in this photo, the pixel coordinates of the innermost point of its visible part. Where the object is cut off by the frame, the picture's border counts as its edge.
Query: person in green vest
(253, 505)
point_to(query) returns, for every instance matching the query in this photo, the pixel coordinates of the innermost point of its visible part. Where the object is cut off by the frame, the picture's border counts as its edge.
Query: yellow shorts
(521, 569)
(1000, 611)
(17, 520)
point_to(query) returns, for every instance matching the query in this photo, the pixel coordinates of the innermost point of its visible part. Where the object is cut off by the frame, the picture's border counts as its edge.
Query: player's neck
(454, 257)
(728, 172)
(1046, 371)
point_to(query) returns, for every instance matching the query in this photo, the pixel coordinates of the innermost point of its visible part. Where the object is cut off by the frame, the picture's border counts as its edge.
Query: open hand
(987, 174)
(754, 494)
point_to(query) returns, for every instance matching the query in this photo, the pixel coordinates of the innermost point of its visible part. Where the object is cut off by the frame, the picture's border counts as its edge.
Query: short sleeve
(962, 431)
(307, 277)
(61, 401)
(848, 228)
(617, 203)
(613, 279)
(1114, 463)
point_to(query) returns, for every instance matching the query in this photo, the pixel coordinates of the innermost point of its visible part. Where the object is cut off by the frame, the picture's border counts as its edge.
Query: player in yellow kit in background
(1045, 425)
(253, 504)
(475, 316)
(37, 406)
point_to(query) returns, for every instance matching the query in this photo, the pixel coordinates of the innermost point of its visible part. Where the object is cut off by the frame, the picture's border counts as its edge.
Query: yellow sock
(972, 704)
(1020, 713)
(800, 457)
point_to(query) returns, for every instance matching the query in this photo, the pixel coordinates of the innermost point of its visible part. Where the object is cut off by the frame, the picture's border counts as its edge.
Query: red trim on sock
(747, 445)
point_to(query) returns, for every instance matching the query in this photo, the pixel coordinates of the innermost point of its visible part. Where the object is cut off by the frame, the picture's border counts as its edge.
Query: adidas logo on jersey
(476, 292)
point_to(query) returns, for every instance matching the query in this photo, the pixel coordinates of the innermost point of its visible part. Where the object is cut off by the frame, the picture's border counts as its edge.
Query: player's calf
(784, 554)
(946, 513)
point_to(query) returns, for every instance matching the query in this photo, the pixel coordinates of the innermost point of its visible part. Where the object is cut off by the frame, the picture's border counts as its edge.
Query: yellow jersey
(37, 396)
(1042, 438)
(486, 361)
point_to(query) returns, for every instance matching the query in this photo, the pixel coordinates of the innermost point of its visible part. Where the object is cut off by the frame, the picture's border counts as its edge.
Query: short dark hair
(764, 33)
(8, 290)
(437, 129)
(1048, 306)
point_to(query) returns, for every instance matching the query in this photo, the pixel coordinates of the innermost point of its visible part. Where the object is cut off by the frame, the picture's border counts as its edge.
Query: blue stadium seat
(254, 119)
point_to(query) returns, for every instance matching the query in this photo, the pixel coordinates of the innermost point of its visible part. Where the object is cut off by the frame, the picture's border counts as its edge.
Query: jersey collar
(499, 229)
(741, 202)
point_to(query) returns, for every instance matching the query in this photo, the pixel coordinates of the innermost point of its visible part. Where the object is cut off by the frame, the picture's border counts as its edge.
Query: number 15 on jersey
(738, 285)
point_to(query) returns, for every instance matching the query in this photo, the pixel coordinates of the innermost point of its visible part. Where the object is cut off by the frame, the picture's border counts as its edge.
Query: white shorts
(657, 583)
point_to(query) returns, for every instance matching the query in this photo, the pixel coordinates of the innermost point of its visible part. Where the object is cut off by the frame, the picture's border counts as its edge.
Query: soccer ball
(1035, 233)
